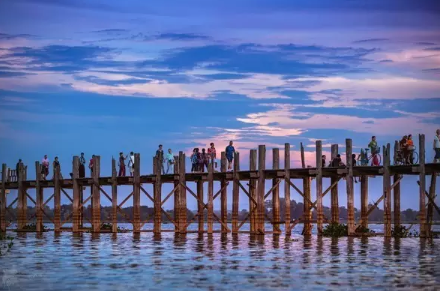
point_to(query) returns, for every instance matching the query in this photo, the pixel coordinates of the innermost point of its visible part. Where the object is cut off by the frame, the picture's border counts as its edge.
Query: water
(200, 262)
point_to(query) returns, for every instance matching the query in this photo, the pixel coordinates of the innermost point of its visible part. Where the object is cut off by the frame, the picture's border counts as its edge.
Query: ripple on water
(199, 262)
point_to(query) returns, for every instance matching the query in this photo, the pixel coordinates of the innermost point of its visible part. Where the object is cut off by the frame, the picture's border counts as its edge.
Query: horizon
(100, 78)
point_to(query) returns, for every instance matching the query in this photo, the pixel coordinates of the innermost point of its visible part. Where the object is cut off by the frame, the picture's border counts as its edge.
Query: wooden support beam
(176, 194)
(57, 198)
(334, 191)
(287, 188)
(431, 197)
(39, 198)
(431, 200)
(76, 195)
(307, 195)
(114, 197)
(22, 199)
(320, 210)
(182, 198)
(96, 195)
(211, 197)
(157, 196)
(350, 187)
(80, 209)
(364, 201)
(3, 201)
(276, 191)
(200, 204)
(224, 193)
(422, 188)
(235, 193)
(261, 188)
(137, 193)
(387, 190)
(396, 190)
(253, 192)
(303, 161)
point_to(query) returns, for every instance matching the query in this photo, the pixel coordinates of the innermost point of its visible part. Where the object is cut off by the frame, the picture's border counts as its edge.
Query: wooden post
(76, 194)
(253, 191)
(261, 188)
(210, 217)
(287, 188)
(307, 182)
(276, 192)
(158, 197)
(303, 161)
(200, 208)
(422, 187)
(364, 200)
(38, 198)
(176, 194)
(57, 199)
(224, 194)
(3, 199)
(182, 196)
(387, 190)
(137, 193)
(96, 203)
(334, 190)
(22, 199)
(430, 214)
(320, 211)
(235, 193)
(396, 190)
(350, 190)
(114, 197)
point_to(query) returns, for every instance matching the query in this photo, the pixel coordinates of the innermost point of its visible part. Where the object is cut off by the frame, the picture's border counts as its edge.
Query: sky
(102, 77)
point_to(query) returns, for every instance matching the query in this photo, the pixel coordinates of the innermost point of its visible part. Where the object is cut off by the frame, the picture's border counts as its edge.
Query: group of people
(200, 160)
(407, 148)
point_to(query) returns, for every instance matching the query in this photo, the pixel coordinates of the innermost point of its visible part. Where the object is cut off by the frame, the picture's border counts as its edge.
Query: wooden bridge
(256, 178)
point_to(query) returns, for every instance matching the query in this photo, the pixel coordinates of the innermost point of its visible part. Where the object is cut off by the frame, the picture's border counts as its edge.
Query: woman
(131, 164)
(194, 161)
(169, 157)
(82, 167)
(212, 154)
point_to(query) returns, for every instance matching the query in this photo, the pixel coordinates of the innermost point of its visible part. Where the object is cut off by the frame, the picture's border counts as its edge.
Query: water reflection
(217, 261)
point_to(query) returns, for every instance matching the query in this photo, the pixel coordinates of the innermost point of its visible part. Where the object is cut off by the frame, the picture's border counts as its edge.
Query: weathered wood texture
(157, 197)
(396, 190)
(182, 197)
(253, 192)
(235, 193)
(210, 216)
(224, 193)
(387, 190)
(364, 201)
(430, 213)
(22, 199)
(319, 208)
(114, 198)
(334, 191)
(176, 193)
(276, 192)
(200, 205)
(350, 187)
(287, 188)
(136, 194)
(261, 188)
(57, 199)
(3, 200)
(422, 187)
(38, 198)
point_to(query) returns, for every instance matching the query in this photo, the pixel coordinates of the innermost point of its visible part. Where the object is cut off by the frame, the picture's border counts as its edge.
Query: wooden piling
(350, 190)
(334, 191)
(3, 199)
(76, 194)
(114, 198)
(200, 206)
(137, 194)
(158, 197)
(261, 188)
(176, 194)
(96, 203)
(22, 199)
(364, 200)
(253, 192)
(430, 213)
(387, 190)
(235, 193)
(276, 191)
(319, 209)
(38, 198)
(223, 194)
(210, 217)
(396, 189)
(422, 187)
(287, 188)
(307, 182)
(182, 193)
(57, 199)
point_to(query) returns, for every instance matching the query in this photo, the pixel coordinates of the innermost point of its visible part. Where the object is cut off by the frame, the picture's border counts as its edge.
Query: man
(337, 161)
(56, 165)
(82, 166)
(323, 158)
(45, 167)
(17, 169)
(404, 147)
(91, 165)
(374, 150)
(437, 146)
(410, 147)
(212, 154)
(121, 165)
(230, 150)
(131, 164)
(159, 155)
(170, 161)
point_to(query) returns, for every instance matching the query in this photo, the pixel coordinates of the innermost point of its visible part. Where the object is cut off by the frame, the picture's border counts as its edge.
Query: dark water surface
(200, 262)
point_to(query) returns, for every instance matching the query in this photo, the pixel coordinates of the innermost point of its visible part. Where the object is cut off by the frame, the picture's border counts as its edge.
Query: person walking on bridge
(45, 167)
(82, 166)
(230, 150)
(121, 165)
(436, 146)
(160, 155)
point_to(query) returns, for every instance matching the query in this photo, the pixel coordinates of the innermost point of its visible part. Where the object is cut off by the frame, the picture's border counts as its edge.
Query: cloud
(371, 40)
(180, 36)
